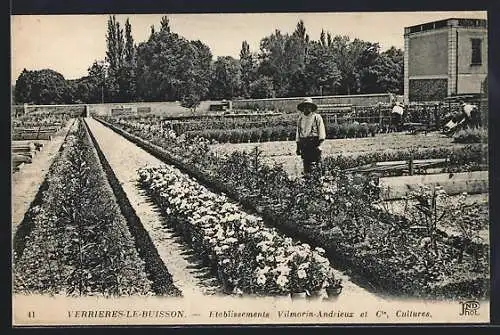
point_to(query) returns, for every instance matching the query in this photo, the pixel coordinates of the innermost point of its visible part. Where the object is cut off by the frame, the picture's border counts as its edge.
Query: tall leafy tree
(127, 72)
(322, 74)
(262, 87)
(385, 74)
(247, 65)
(42, 87)
(226, 78)
(169, 67)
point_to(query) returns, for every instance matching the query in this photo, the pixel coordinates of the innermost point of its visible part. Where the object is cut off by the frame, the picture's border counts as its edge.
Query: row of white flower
(249, 257)
(153, 128)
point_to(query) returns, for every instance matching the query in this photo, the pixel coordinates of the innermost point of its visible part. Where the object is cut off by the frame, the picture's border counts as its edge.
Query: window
(476, 51)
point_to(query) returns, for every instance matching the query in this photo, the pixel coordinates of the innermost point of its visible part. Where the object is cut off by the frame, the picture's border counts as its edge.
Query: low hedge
(281, 133)
(78, 243)
(156, 270)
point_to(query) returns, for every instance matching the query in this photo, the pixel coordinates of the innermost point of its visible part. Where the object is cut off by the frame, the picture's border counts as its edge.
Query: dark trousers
(310, 153)
(397, 122)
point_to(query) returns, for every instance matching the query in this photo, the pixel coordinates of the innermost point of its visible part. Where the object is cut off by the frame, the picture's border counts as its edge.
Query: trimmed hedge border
(366, 266)
(156, 270)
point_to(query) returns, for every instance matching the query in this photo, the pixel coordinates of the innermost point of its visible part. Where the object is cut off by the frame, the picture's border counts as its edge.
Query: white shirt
(468, 109)
(398, 110)
(310, 125)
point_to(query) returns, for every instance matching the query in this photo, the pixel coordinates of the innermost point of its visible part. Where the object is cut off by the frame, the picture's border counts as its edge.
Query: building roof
(454, 22)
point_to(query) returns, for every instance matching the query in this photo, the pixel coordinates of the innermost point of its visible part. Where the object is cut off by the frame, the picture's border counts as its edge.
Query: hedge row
(77, 242)
(155, 268)
(266, 134)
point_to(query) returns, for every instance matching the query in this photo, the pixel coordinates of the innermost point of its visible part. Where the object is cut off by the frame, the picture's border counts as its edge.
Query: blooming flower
(301, 274)
(261, 279)
(281, 280)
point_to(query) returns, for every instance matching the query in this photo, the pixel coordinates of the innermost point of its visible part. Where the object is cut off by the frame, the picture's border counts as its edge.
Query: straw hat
(307, 102)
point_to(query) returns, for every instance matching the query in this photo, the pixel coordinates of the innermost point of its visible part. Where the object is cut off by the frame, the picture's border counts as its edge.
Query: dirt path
(125, 159)
(26, 182)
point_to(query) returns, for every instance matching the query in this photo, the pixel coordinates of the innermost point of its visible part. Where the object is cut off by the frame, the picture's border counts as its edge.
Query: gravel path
(26, 182)
(125, 159)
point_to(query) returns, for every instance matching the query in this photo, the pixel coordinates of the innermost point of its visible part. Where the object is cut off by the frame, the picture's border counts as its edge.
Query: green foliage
(226, 78)
(471, 135)
(261, 88)
(333, 209)
(247, 66)
(79, 244)
(41, 87)
(274, 133)
(168, 67)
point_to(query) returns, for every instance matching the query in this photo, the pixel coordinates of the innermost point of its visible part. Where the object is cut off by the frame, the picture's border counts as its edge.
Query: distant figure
(310, 134)
(471, 113)
(397, 116)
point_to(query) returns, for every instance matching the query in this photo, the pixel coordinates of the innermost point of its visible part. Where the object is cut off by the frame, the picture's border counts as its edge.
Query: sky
(69, 44)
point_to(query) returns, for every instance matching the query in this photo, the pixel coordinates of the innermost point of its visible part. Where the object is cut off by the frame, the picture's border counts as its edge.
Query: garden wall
(289, 105)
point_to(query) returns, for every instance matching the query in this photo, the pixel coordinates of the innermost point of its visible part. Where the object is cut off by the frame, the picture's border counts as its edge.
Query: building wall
(470, 76)
(470, 83)
(428, 54)
(426, 65)
(442, 56)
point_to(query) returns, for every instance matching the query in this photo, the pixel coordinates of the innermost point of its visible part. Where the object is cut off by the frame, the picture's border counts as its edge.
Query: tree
(247, 69)
(169, 67)
(23, 87)
(42, 87)
(322, 73)
(126, 74)
(283, 58)
(261, 88)
(226, 78)
(114, 56)
(165, 24)
(385, 75)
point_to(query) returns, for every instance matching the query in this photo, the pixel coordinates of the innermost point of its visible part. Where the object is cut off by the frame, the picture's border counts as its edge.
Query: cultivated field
(283, 152)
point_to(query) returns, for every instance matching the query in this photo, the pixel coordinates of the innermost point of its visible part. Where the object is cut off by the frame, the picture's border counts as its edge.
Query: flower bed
(335, 213)
(78, 242)
(245, 254)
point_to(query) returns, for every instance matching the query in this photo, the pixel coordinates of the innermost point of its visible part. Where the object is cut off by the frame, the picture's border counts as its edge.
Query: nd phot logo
(468, 308)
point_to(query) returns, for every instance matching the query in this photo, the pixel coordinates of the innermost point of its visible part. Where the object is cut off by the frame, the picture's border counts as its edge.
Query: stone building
(444, 58)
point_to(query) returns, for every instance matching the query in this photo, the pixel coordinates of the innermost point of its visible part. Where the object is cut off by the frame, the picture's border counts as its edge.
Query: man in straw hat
(310, 134)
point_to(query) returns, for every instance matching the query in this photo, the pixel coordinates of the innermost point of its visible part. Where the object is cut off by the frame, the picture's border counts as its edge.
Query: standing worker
(310, 134)
(397, 116)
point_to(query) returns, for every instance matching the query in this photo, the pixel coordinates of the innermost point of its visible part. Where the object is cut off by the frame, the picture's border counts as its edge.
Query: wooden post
(379, 115)
(410, 165)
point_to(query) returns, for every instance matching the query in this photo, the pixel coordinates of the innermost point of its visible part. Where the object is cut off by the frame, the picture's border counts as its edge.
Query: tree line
(168, 67)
